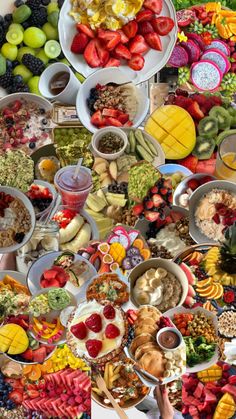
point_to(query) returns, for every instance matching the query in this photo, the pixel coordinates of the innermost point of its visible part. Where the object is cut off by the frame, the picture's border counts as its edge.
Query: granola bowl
(17, 220)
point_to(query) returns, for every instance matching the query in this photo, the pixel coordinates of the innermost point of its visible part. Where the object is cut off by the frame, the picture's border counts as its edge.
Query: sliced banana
(142, 298)
(150, 273)
(141, 282)
(168, 355)
(160, 273)
(155, 282)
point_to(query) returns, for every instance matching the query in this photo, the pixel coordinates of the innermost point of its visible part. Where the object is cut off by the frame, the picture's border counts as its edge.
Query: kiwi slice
(225, 134)
(204, 148)
(208, 127)
(222, 116)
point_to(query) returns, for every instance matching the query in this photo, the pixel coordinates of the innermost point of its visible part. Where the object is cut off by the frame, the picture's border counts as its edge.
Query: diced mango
(13, 339)
(225, 408)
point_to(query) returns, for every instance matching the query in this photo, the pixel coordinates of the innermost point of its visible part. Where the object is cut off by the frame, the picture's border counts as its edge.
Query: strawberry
(149, 205)
(138, 209)
(91, 55)
(136, 62)
(112, 331)
(85, 29)
(193, 184)
(112, 62)
(103, 54)
(190, 162)
(79, 330)
(94, 322)
(138, 45)
(154, 41)
(28, 354)
(111, 38)
(14, 383)
(205, 179)
(93, 347)
(16, 106)
(199, 98)
(97, 119)
(123, 38)
(114, 113)
(109, 312)
(183, 102)
(154, 189)
(113, 122)
(145, 27)
(144, 15)
(79, 43)
(33, 394)
(123, 117)
(151, 216)
(154, 5)
(130, 29)
(216, 218)
(16, 396)
(54, 283)
(162, 25)
(157, 200)
(195, 111)
(122, 52)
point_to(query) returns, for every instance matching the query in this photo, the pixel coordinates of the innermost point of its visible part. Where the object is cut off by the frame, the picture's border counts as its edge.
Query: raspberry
(94, 322)
(112, 331)
(79, 330)
(93, 347)
(109, 312)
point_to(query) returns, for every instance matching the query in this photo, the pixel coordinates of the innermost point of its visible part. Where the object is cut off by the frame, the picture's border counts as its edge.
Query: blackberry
(25, 24)
(19, 237)
(34, 64)
(60, 3)
(39, 17)
(8, 17)
(1, 19)
(45, 2)
(19, 3)
(6, 79)
(33, 4)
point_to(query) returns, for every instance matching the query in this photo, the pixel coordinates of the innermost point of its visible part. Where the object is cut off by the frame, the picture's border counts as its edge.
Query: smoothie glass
(73, 192)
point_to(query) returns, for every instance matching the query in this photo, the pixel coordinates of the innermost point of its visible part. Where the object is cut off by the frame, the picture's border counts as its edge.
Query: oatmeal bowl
(158, 282)
(212, 209)
(17, 219)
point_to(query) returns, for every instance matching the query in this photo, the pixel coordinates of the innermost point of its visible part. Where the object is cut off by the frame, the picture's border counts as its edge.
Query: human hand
(163, 402)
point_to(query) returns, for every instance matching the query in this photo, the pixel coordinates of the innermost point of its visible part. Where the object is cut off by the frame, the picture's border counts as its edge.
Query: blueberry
(44, 121)
(9, 64)
(19, 3)
(42, 111)
(15, 63)
(61, 56)
(8, 17)
(18, 79)
(19, 237)
(32, 145)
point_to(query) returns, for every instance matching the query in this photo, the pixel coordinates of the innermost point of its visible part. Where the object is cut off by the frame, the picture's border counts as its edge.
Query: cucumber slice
(52, 49)
(14, 36)
(132, 141)
(144, 154)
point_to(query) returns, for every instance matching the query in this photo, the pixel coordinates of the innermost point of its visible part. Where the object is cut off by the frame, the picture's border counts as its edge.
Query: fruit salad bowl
(187, 186)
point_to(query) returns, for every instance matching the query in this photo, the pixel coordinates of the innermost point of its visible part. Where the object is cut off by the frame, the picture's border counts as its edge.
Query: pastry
(140, 340)
(149, 311)
(141, 350)
(146, 329)
(153, 362)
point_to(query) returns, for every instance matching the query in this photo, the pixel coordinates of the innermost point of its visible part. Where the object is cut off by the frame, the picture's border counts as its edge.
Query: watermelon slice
(39, 355)
(220, 46)
(179, 57)
(193, 50)
(206, 75)
(217, 57)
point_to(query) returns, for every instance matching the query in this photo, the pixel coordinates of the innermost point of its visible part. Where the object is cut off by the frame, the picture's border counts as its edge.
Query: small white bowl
(105, 76)
(51, 189)
(100, 133)
(169, 329)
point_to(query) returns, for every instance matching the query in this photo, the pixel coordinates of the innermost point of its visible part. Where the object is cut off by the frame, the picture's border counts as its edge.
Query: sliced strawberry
(216, 218)
(122, 52)
(103, 54)
(193, 184)
(145, 27)
(111, 38)
(94, 322)
(54, 283)
(183, 102)
(112, 62)
(151, 216)
(91, 55)
(112, 331)
(123, 117)
(149, 205)
(109, 312)
(138, 45)
(123, 38)
(16, 396)
(195, 111)
(85, 29)
(157, 200)
(93, 347)
(138, 209)
(114, 113)
(162, 25)
(205, 179)
(130, 29)
(79, 330)
(113, 122)
(154, 5)
(14, 382)
(136, 62)
(79, 43)
(144, 15)
(128, 124)
(154, 41)
(97, 119)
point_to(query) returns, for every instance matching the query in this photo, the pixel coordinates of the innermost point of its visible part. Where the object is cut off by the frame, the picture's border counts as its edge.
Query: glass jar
(45, 239)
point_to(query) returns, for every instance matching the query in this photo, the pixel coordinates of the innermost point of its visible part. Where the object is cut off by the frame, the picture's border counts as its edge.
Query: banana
(81, 239)
(68, 233)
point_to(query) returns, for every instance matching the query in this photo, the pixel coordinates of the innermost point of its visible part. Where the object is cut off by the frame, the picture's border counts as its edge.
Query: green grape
(53, 18)
(16, 26)
(52, 49)
(9, 51)
(42, 56)
(33, 85)
(34, 37)
(23, 71)
(24, 50)
(50, 31)
(14, 36)
(52, 7)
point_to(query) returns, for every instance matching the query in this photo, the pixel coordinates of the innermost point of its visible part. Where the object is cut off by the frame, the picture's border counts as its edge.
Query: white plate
(26, 202)
(154, 60)
(214, 359)
(18, 276)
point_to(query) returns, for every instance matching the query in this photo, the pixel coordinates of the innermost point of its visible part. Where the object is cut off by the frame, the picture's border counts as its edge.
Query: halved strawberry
(144, 15)
(79, 330)
(94, 322)
(193, 184)
(112, 62)
(145, 27)
(162, 25)
(123, 117)
(97, 119)
(112, 331)
(154, 5)
(114, 113)
(195, 111)
(85, 29)
(16, 396)
(138, 45)
(151, 216)
(79, 43)
(138, 209)
(93, 347)
(157, 200)
(91, 55)
(154, 41)
(103, 54)
(190, 162)
(109, 312)
(122, 52)
(111, 38)
(123, 38)
(113, 122)
(136, 62)
(130, 29)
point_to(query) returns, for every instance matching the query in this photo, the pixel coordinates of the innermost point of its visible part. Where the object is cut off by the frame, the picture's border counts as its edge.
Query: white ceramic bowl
(105, 76)
(158, 263)
(169, 329)
(23, 198)
(51, 189)
(28, 97)
(171, 168)
(182, 186)
(109, 130)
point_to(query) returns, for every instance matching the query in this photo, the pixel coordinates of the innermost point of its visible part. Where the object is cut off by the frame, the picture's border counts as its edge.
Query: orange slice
(138, 243)
(218, 292)
(47, 365)
(145, 253)
(207, 292)
(232, 27)
(35, 373)
(27, 369)
(204, 283)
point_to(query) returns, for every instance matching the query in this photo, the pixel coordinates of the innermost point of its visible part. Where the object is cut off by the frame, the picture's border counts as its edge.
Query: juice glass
(73, 191)
(226, 159)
